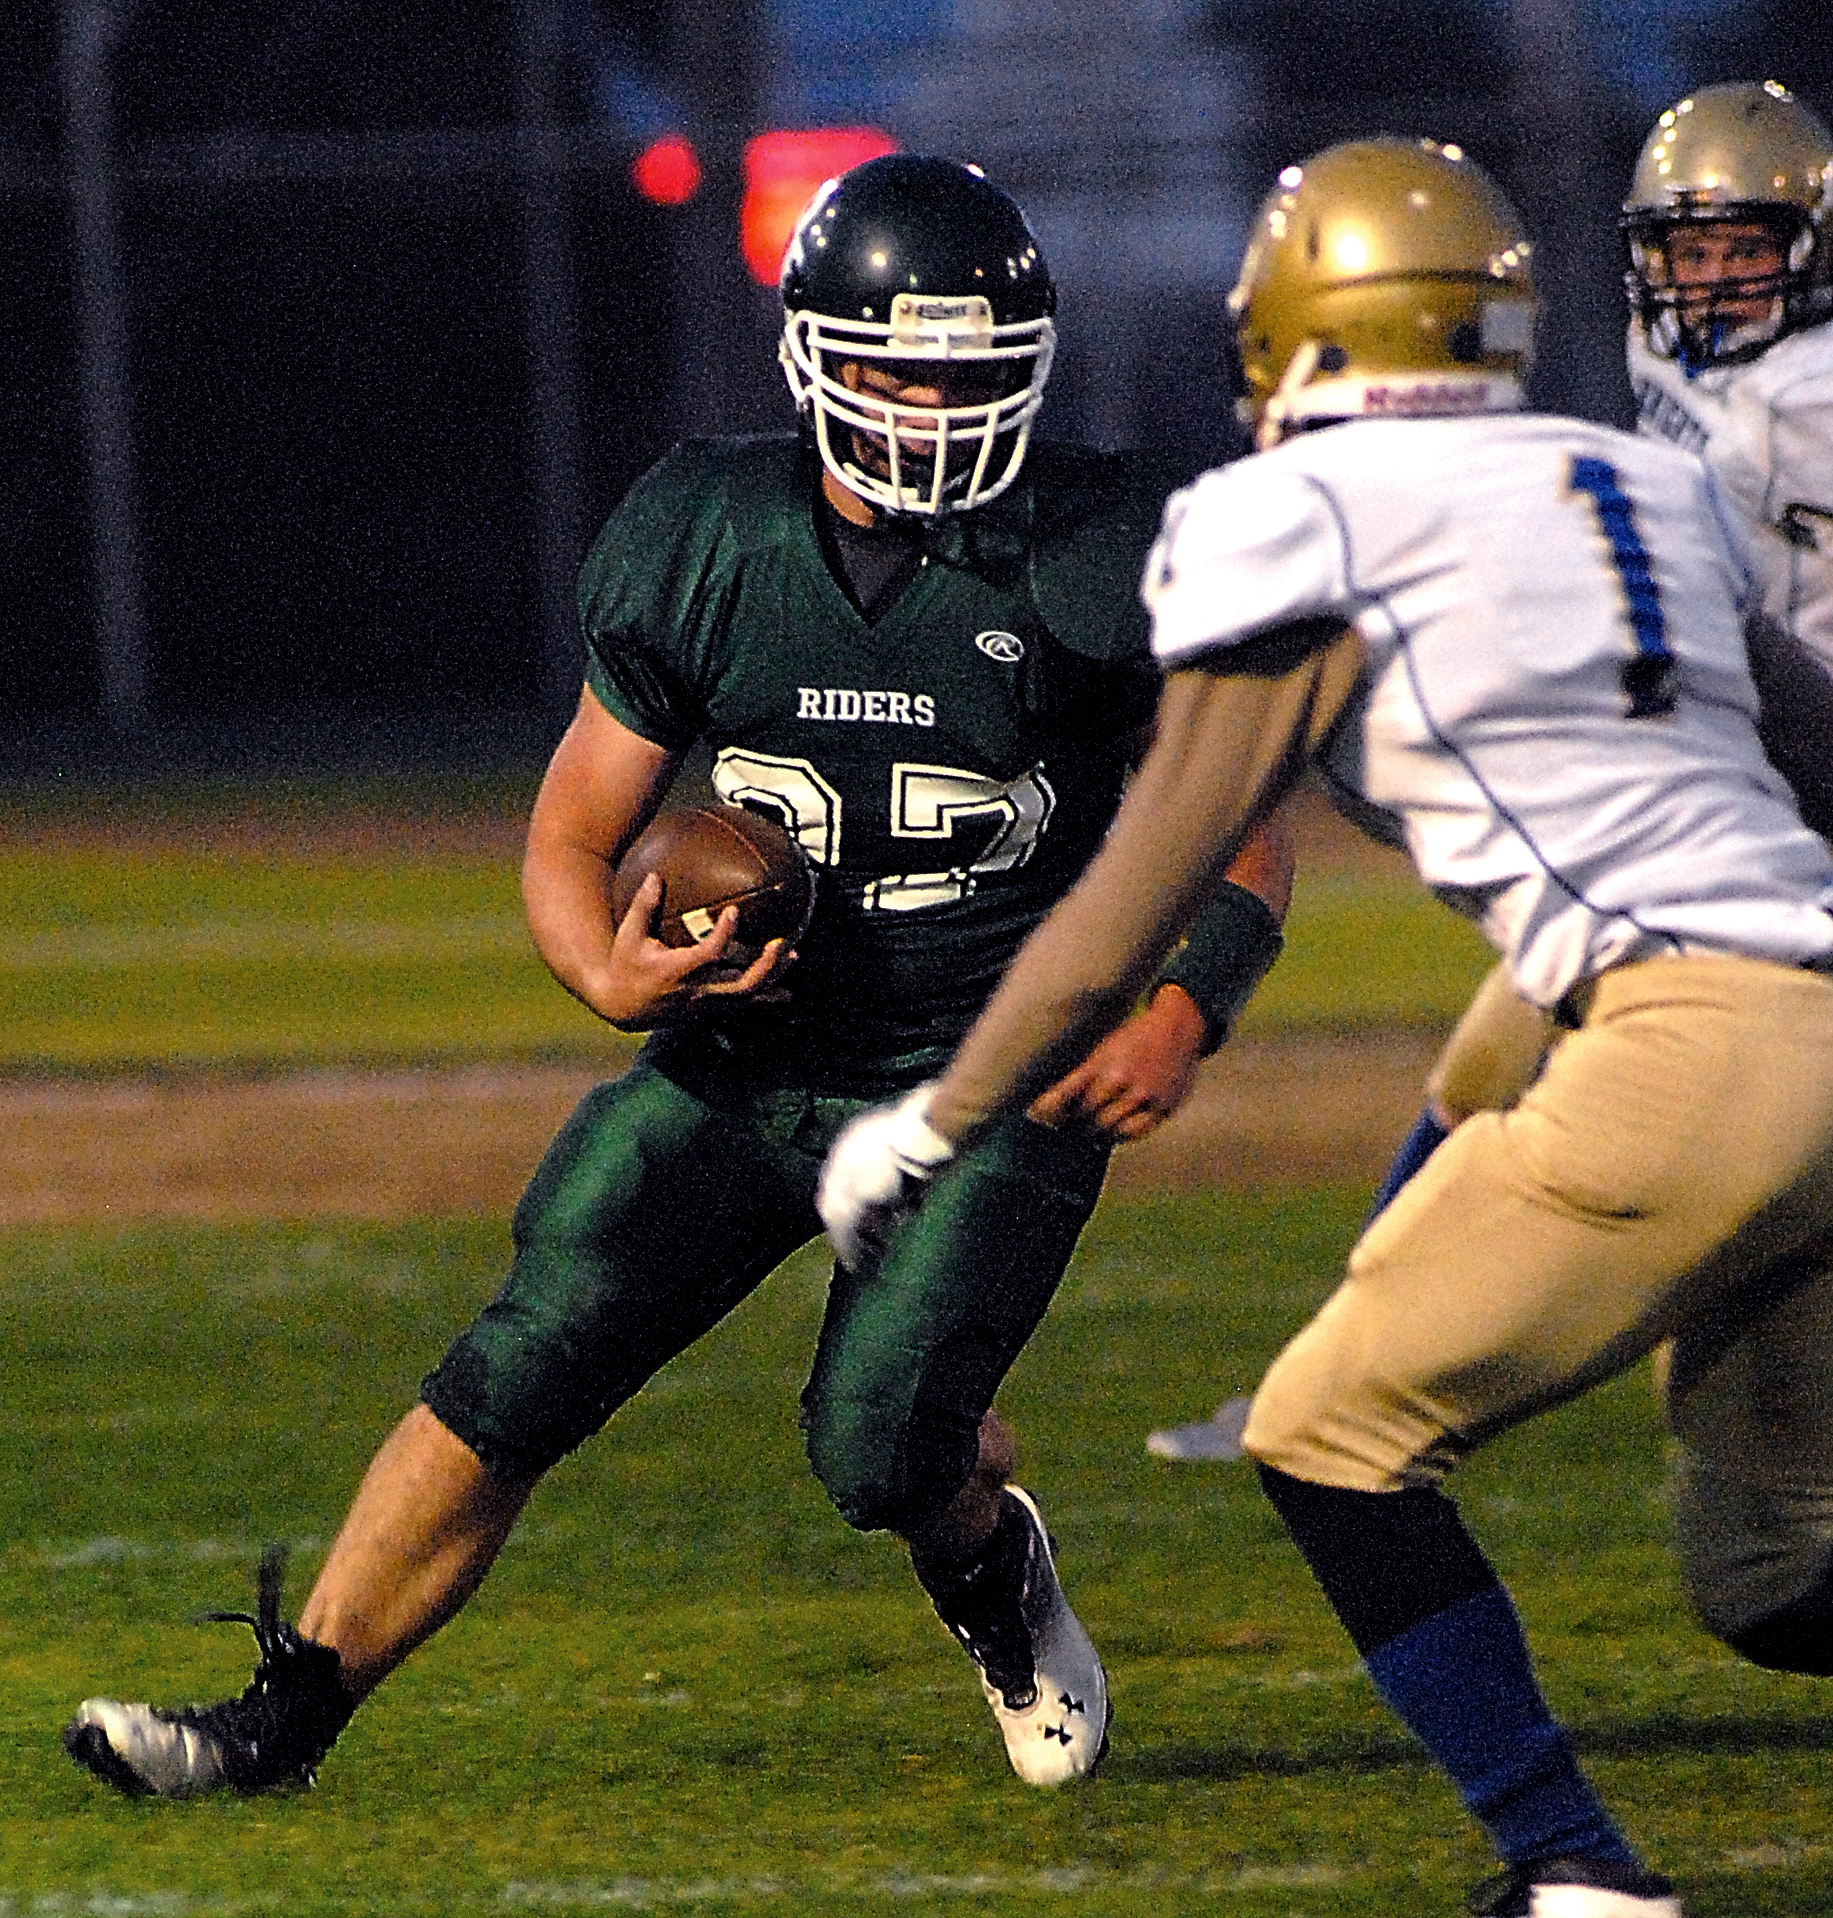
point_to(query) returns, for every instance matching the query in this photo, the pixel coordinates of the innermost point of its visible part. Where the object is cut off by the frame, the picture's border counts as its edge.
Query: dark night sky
(330, 377)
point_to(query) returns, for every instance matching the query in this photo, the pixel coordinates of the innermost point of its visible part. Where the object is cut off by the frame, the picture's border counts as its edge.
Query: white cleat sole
(142, 1753)
(1589, 1901)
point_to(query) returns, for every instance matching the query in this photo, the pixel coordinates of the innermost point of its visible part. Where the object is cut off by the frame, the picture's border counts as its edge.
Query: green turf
(689, 1688)
(134, 959)
(1368, 953)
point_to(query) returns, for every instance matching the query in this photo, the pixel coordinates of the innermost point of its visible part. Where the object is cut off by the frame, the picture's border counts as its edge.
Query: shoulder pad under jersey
(1094, 518)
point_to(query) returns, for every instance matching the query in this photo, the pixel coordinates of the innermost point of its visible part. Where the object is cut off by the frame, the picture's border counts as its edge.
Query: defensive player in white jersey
(1730, 354)
(1514, 645)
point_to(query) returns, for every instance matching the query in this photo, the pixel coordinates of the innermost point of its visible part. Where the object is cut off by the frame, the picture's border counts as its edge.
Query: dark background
(324, 249)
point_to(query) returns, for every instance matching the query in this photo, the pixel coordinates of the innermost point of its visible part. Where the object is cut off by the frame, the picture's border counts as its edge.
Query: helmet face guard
(929, 459)
(1746, 155)
(917, 337)
(1712, 322)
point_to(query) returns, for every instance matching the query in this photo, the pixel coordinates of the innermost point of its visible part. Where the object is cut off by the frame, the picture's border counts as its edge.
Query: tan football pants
(1670, 1174)
(1493, 1054)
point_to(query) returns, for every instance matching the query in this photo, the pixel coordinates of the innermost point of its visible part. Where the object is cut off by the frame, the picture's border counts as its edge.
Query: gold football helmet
(1743, 173)
(1385, 278)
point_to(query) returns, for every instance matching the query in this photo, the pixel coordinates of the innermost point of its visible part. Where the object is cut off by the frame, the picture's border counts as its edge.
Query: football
(711, 856)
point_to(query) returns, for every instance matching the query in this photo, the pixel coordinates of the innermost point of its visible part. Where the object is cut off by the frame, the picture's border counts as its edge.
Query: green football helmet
(911, 262)
(1750, 155)
(1385, 278)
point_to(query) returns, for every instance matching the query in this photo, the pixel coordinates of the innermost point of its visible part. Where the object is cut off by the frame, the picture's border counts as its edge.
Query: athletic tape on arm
(1226, 953)
(1227, 749)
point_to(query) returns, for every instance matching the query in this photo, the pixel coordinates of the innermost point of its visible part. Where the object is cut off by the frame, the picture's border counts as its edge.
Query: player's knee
(886, 1473)
(516, 1440)
(1313, 1420)
(1764, 1589)
(864, 1492)
(525, 1383)
(1285, 1427)
(1794, 1635)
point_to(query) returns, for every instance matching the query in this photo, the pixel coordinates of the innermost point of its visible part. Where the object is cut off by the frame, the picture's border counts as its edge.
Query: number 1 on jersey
(1650, 679)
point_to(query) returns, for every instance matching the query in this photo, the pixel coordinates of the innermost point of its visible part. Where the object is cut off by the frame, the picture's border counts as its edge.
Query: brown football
(713, 856)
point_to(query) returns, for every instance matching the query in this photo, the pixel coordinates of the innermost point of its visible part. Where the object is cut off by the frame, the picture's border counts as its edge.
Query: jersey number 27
(927, 802)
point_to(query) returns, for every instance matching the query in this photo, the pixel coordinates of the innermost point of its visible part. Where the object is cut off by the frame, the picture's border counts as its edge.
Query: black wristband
(1223, 957)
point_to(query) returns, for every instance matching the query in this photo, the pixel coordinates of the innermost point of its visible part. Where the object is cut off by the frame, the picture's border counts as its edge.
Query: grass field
(689, 1687)
(124, 960)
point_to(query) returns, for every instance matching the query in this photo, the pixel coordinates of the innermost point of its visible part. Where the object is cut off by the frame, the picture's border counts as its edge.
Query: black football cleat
(272, 1736)
(1575, 1888)
(1038, 1668)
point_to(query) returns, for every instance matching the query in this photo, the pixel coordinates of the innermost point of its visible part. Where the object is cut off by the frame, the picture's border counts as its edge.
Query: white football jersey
(1765, 428)
(1558, 718)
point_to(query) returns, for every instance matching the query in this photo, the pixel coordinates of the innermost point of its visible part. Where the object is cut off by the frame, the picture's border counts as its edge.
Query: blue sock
(1418, 1146)
(1462, 1682)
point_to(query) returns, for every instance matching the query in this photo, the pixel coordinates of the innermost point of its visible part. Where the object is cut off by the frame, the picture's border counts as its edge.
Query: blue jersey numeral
(1650, 680)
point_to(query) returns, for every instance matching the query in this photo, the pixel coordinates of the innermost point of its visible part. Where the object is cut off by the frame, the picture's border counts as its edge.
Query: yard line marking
(1058, 1881)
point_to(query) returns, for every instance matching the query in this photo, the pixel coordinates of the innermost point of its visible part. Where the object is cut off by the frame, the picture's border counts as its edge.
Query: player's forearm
(603, 784)
(1796, 689)
(1225, 751)
(566, 896)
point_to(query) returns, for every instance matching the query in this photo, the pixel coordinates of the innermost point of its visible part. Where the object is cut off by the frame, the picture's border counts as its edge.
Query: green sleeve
(1224, 956)
(639, 593)
(1098, 515)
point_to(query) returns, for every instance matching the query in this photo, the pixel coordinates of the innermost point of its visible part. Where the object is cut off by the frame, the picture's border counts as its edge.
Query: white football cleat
(141, 1750)
(1038, 1667)
(1576, 1888)
(270, 1738)
(1210, 1441)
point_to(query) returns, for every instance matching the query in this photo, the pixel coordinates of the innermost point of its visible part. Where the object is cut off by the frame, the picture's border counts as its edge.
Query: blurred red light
(783, 170)
(667, 171)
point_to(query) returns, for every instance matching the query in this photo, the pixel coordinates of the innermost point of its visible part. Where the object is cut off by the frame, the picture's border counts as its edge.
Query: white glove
(876, 1175)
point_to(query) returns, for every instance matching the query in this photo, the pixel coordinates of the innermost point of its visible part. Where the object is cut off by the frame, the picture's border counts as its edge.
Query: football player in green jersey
(916, 641)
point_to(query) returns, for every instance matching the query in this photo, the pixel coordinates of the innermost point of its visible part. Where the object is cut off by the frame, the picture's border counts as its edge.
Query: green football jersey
(948, 768)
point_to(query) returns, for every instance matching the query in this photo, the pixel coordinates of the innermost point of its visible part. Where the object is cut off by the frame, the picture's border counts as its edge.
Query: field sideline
(689, 1688)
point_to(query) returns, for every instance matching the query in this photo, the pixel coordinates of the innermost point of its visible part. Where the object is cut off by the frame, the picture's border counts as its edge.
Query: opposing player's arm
(1228, 747)
(1795, 687)
(601, 788)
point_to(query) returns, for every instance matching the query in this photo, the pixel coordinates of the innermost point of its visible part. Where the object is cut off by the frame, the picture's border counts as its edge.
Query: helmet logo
(1007, 648)
(1427, 399)
(938, 324)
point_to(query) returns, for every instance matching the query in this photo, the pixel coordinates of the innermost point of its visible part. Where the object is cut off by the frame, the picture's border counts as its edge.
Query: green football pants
(657, 1209)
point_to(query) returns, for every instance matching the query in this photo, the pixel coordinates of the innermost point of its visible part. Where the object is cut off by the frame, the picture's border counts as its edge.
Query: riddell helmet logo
(1428, 396)
(1007, 648)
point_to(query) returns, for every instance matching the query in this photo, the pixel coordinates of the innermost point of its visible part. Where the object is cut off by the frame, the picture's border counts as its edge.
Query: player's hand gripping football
(649, 983)
(876, 1175)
